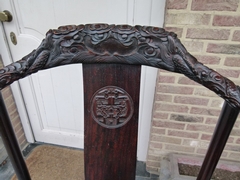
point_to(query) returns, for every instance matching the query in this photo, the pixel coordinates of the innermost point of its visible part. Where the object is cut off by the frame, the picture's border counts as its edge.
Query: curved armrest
(103, 43)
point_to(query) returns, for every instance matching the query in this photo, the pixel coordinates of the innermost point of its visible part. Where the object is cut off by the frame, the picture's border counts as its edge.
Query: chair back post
(111, 101)
(219, 139)
(11, 144)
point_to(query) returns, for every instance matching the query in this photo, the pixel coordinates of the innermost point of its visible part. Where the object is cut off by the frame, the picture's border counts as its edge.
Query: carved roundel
(111, 107)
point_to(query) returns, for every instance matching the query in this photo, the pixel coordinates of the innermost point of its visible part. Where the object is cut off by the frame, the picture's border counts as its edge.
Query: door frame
(148, 75)
(17, 94)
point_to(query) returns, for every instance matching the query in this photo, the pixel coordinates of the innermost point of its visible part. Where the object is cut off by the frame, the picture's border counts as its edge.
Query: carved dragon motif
(103, 43)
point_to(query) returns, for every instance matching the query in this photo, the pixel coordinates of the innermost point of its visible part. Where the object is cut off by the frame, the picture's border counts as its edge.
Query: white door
(54, 102)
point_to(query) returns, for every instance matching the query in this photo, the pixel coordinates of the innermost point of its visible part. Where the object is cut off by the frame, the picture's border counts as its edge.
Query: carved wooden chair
(112, 56)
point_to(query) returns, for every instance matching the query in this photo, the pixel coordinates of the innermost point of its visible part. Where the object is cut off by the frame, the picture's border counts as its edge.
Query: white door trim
(7, 59)
(148, 75)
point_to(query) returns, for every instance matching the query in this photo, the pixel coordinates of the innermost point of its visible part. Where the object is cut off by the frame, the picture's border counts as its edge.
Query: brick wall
(13, 113)
(186, 113)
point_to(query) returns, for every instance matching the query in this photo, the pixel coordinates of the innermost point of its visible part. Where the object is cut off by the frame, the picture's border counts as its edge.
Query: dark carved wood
(110, 151)
(103, 43)
(131, 45)
(111, 107)
(224, 126)
(11, 143)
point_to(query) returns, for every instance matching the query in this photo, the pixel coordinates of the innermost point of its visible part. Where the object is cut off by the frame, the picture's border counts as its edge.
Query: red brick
(177, 4)
(236, 35)
(186, 118)
(171, 107)
(177, 148)
(232, 147)
(193, 46)
(234, 156)
(14, 115)
(166, 79)
(163, 97)
(17, 127)
(235, 132)
(6, 92)
(21, 139)
(237, 124)
(224, 154)
(186, 81)
(191, 100)
(208, 59)
(15, 121)
(204, 92)
(176, 30)
(155, 145)
(195, 143)
(187, 19)
(217, 103)
(211, 34)
(232, 61)
(183, 134)
(11, 109)
(238, 141)
(206, 137)
(20, 132)
(229, 73)
(172, 125)
(211, 121)
(201, 151)
(200, 127)
(223, 48)
(166, 139)
(175, 89)
(9, 101)
(160, 115)
(159, 131)
(203, 111)
(213, 5)
(225, 20)
(230, 140)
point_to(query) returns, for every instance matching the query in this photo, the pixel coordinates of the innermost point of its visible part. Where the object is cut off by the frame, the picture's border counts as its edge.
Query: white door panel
(53, 99)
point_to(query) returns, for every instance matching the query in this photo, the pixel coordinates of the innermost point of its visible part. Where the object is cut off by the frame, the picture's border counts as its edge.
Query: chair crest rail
(103, 43)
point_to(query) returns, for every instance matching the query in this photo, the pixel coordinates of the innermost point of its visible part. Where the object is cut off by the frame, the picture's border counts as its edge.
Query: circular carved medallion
(111, 107)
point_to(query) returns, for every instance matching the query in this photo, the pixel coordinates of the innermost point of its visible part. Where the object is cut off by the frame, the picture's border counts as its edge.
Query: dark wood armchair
(112, 56)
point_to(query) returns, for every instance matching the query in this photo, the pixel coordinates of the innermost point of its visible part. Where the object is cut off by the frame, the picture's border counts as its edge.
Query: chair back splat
(111, 88)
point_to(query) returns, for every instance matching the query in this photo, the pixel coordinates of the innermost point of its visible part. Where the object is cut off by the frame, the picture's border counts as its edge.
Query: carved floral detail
(111, 107)
(103, 43)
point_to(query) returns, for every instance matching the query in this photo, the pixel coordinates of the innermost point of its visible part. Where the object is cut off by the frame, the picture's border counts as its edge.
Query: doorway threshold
(7, 172)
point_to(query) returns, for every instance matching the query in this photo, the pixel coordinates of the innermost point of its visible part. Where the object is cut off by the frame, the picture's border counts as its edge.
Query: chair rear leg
(11, 144)
(222, 131)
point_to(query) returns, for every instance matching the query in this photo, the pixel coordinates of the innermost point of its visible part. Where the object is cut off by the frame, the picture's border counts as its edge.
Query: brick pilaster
(185, 113)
